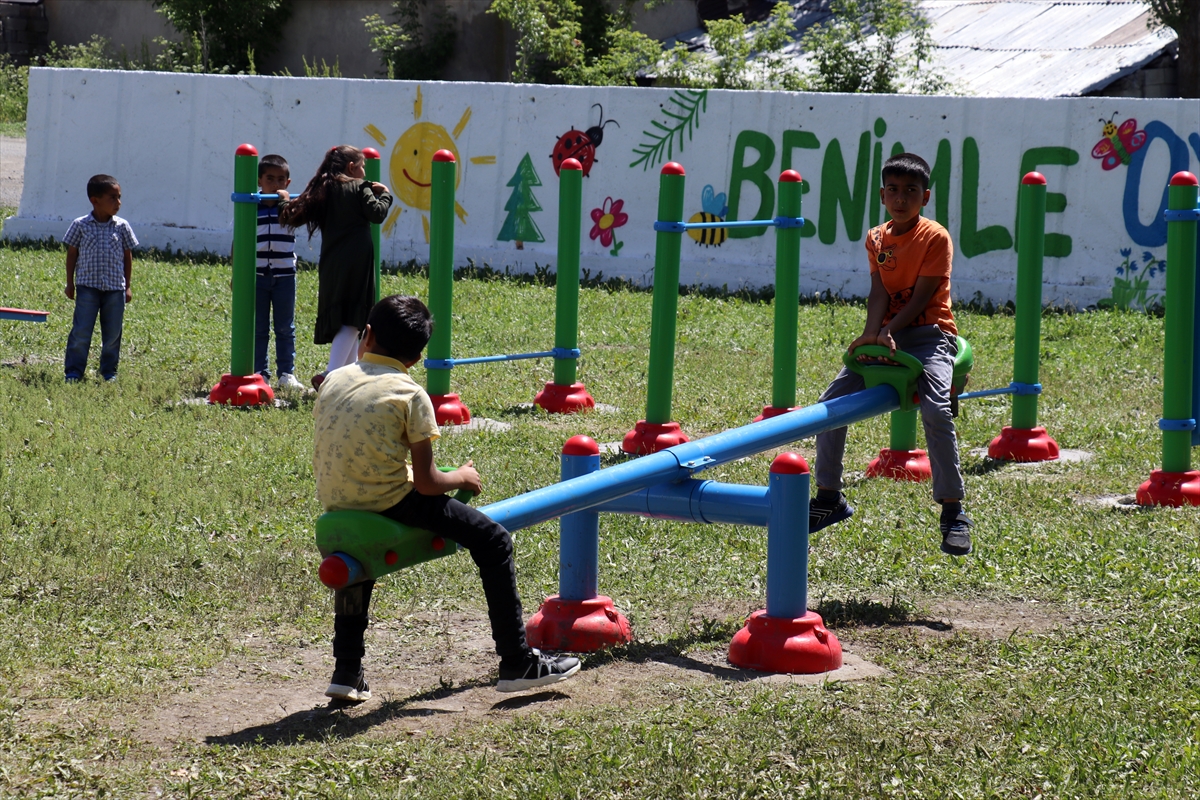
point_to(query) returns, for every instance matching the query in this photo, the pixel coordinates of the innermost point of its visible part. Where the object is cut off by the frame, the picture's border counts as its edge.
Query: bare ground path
(12, 170)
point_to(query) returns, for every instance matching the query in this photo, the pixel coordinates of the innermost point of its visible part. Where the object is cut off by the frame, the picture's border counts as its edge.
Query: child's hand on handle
(469, 478)
(379, 188)
(283, 195)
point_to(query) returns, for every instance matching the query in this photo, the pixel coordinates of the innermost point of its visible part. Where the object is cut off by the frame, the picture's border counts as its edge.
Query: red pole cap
(443, 155)
(789, 464)
(1034, 178)
(333, 572)
(1184, 179)
(371, 152)
(672, 168)
(581, 446)
(790, 176)
(570, 163)
(246, 150)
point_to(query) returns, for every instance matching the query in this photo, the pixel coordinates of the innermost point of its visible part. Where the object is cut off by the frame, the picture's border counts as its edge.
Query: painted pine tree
(519, 226)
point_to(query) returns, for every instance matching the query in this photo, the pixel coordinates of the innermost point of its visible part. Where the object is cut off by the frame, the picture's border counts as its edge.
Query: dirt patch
(12, 170)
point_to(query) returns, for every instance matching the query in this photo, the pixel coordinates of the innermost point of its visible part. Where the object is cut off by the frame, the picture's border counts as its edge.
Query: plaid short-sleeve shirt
(102, 247)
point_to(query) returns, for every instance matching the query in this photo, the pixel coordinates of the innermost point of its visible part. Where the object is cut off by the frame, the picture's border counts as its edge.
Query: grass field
(163, 632)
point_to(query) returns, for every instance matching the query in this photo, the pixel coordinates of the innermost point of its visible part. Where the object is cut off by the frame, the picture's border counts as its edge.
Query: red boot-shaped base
(773, 411)
(449, 410)
(650, 437)
(1023, 444)
(578, 626)
(1170, 489)
(558, 398)
(901, 465)
(242, 390)
(797, 646)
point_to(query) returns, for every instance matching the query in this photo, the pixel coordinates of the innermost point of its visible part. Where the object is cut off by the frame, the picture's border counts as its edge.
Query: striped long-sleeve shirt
(276, 244)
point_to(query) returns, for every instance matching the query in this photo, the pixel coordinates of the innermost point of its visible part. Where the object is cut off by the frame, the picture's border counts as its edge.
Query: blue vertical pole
(579, 533)
(787, 538)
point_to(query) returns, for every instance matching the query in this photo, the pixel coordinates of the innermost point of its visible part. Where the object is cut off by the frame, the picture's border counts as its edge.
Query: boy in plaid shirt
(99, 267)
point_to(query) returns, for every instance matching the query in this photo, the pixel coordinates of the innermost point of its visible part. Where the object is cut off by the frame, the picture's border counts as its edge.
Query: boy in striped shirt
(276, 277)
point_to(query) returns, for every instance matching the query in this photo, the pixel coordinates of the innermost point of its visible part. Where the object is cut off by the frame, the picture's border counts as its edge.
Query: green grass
(142, 541)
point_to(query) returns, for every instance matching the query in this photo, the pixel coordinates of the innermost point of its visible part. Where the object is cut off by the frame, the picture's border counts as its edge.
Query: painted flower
(1147, 256)
(1126, 252)
(607, 218)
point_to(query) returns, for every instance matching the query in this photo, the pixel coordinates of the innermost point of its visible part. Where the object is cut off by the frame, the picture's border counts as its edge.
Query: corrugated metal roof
(1022, 48)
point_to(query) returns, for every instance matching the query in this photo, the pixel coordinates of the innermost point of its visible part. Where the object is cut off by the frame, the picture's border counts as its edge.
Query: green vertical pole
(371, 156)
(245, 235)
(441, 267)
(787, 295)
(1027, 347)
(1180, 323)
(566, 296)
(903, 435)
(667, 248)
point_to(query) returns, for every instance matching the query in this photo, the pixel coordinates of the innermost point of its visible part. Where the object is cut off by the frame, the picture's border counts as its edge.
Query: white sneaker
(288, 381)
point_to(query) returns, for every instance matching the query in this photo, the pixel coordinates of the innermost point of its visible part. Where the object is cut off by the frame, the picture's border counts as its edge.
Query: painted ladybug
(580, 145)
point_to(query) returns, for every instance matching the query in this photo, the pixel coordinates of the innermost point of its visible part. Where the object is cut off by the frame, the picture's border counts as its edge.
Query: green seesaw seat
(902, 460)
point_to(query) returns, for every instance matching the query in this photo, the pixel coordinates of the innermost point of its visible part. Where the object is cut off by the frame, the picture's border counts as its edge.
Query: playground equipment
(371, 167)
(1024, 440)
(562, 395)
(23, 314)
(657, 432)
(1176, 483)
(242, 386)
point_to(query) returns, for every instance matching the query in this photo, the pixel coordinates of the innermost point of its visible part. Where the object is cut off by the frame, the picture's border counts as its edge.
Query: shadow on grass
(870, 613)
(985, 466)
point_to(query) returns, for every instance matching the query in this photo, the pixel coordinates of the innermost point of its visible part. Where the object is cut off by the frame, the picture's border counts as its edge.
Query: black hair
(98, 185)
(907, 165)
(308, 207)
(402, 326)
(273, 161)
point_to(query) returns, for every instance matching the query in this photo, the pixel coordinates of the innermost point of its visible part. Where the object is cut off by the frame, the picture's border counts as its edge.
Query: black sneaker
(956, 534)
(823, 513)
(539, 670)
(351, 687)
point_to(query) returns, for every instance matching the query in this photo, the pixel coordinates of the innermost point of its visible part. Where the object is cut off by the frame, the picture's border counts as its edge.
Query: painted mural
(1106, 160)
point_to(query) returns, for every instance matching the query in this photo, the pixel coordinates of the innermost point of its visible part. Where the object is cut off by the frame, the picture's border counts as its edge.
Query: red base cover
(650, 437)
(773, 411)
(1023, 444)
(449, 410)
(578, 626)
(242, 390)
(795, 646)
(901, 465)
(558, 398)
(1170, 489)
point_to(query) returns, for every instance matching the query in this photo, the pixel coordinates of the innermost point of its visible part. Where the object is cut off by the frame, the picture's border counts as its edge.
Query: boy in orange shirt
(908, 308)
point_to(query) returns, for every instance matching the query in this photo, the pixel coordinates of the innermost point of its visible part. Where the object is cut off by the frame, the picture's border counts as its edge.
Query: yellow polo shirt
(368, 414)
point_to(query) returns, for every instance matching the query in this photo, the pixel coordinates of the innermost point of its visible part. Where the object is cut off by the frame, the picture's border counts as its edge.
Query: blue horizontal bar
(986, 393)
(451, 363)
(681, 461)
(252, 197)
(693, 500)
(777, 222)
(1182, 214)
(21, 315)
(1177, 424)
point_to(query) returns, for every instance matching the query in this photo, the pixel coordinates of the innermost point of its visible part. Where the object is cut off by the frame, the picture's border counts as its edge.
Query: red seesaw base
(901, 465)
(449, 410)
(242, 390)
(773, 411)
(650, 437)
(1170, 489)
(578, 626)
(1023, 444)
(796, 646)
(558, 398)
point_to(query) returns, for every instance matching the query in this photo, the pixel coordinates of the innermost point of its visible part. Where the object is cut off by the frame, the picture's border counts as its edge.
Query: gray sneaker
(348, 687)
(288, 381)
(956, 534)
(538, 670)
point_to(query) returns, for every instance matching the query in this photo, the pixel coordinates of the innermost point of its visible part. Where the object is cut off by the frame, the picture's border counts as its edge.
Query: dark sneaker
(539, 670)
(956, 534)
(823, 513)
(350, 687)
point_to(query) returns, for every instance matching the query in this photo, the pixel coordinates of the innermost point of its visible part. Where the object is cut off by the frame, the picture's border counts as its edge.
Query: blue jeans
(278, 291)
(110, 307)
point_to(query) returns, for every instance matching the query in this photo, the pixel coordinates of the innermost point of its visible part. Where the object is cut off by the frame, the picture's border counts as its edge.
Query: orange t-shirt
(926, 250)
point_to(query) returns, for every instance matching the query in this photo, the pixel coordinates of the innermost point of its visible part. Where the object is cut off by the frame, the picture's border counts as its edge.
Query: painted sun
(410, 165)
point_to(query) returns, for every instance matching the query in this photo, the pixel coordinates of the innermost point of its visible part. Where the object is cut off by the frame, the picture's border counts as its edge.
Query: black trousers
(490, 547)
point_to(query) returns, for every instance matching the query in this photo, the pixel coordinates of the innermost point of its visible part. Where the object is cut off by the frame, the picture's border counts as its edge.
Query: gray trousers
(936, 351)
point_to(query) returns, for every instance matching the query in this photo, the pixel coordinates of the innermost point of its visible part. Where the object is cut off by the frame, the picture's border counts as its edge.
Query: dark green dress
(346, 286)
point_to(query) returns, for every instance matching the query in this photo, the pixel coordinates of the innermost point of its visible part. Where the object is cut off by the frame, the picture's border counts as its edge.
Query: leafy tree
(410, 50)
(226, 34)
(860, 49)
(748, 56)
(547, 33)
(1183, 17)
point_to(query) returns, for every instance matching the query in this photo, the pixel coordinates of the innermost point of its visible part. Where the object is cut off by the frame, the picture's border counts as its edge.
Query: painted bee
(714, 211)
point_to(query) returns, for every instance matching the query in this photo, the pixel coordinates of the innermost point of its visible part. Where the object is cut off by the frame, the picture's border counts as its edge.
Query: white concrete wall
(170, 140)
